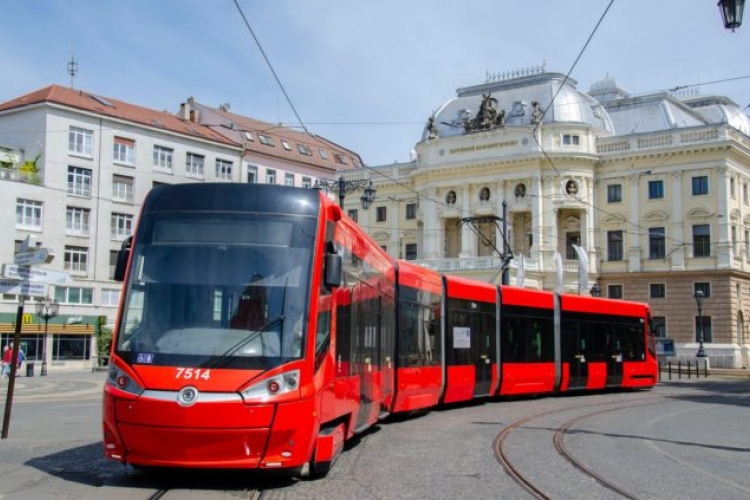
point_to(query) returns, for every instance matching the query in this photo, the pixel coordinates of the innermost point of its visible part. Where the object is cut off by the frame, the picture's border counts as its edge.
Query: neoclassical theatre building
(642, 198)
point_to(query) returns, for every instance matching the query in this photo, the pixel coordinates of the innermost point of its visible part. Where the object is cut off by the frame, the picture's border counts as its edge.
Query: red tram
(260, 328)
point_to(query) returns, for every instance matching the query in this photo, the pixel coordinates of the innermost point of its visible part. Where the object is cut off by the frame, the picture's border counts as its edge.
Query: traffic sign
(23, 288)
(40, 256)
(36, 275)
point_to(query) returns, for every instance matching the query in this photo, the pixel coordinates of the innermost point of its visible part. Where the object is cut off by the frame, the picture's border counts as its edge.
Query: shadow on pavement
(87, 465)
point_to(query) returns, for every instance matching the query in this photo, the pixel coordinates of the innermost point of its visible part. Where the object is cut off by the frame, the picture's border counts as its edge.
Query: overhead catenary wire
(270, 66)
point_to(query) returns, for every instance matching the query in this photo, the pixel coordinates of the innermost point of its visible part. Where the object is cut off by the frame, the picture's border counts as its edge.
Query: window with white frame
(122, 188)
(74, 295)
(252, 174)
(747, 244)
(80, 141)
(194, 165)
(110, 296)
(286, 145)
(121, 226)
(124, 150)
(289, 179)
(306, 182)
(77, 221)
(79, 181)
(76, 259)
(163, 158)
(270, 176)
(223, 169)
(28, 214)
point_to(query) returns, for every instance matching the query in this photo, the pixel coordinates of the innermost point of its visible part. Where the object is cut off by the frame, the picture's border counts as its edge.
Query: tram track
(558, 440)
(180, 493)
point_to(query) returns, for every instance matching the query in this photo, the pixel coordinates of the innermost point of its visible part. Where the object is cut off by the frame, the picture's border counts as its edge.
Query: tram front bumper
(152, 432)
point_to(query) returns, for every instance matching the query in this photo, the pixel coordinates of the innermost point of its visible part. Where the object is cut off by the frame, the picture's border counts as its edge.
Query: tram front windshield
(217, 292)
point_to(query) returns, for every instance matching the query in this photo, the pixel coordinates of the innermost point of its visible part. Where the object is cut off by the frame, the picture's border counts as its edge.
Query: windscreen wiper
(226, 356)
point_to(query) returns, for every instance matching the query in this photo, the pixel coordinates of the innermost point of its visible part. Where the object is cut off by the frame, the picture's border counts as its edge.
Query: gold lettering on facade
(480, 147)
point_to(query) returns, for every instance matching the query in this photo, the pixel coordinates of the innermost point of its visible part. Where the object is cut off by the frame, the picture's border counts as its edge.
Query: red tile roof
(233, 125)
(117, 109)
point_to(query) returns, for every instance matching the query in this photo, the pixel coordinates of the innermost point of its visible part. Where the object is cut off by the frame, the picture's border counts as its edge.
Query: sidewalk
(60, 384)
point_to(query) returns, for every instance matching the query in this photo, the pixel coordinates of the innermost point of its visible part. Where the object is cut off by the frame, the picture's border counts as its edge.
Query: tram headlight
(283, 383)
(118, 379)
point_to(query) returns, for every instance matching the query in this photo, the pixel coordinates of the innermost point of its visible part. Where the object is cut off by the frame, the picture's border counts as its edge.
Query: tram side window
(408, 332)
(527, 339)
(635, 343)
(418, 329)
(343, 336)
(460, 324)
(601, 337)
(322, 337)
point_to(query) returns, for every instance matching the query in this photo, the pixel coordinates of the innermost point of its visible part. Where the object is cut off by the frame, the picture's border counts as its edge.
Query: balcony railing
(11, 174)
(490, 263)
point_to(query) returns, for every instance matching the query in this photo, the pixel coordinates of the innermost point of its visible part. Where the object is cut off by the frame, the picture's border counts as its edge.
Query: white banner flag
(520, 271)
(583, 268)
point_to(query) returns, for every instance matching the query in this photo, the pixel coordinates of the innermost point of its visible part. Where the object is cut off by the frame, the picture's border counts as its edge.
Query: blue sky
(363, 74)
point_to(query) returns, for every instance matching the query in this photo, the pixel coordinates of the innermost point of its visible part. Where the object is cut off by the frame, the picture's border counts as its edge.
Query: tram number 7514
(193, 374)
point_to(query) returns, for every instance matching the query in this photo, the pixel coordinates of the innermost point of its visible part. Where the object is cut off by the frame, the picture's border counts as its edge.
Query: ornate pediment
(614, 220)
(699, 213)
(656, 216)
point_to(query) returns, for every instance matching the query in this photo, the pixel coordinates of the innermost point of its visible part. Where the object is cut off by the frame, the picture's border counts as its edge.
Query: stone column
(724, 248)
(468, 238)
(677, 256)
(632, 238)
(432, 229)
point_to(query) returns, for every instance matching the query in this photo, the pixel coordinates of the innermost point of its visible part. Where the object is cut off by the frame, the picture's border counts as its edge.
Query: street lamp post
(699, 297)
(342, 187)
(596, 290)
(731, 13)
(46, 309)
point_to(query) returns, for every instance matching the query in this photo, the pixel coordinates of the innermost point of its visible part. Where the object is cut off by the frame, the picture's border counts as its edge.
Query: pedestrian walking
(7, 353)
(21, 359)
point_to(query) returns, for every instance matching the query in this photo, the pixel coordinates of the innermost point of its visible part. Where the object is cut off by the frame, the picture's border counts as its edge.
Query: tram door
(616, 340)
(484, 351)
(575, 352)
(366, 350)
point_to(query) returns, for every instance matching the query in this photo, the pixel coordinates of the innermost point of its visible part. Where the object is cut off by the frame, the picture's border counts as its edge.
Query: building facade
(646, 197)
(75, 168)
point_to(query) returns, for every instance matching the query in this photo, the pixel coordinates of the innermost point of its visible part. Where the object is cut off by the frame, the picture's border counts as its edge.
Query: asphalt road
(685, 439)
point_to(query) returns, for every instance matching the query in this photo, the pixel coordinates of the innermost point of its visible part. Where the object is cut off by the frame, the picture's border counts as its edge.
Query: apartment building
(76, 167)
